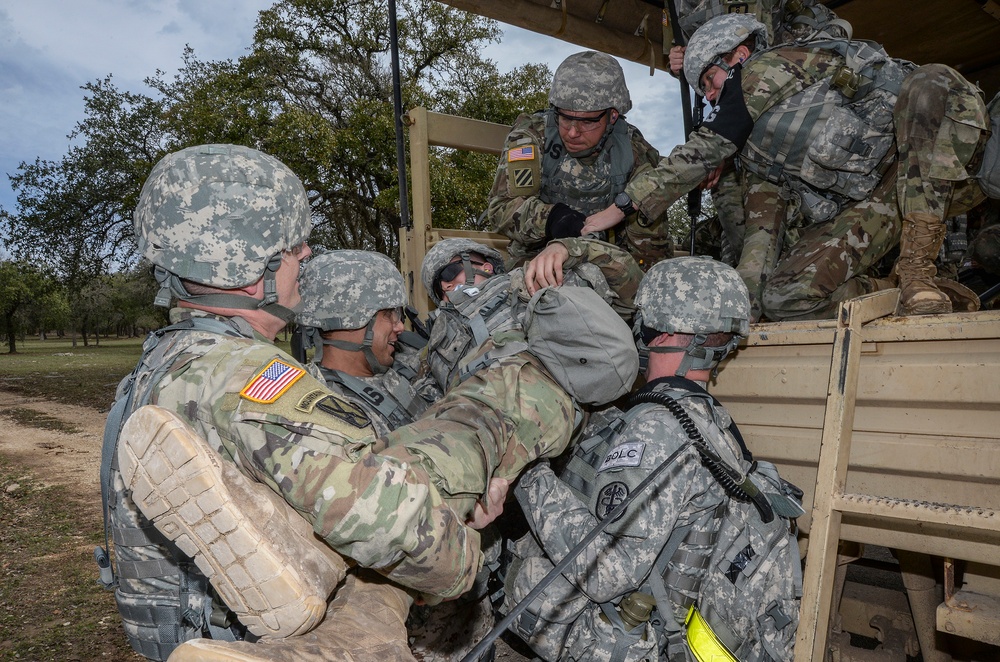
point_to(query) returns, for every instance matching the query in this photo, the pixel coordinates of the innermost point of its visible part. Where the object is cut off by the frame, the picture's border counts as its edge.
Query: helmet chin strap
(697, 356)
(365, 347)
(171, 284)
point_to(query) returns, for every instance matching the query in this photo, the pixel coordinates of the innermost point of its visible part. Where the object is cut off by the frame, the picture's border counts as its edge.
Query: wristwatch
(624, 203)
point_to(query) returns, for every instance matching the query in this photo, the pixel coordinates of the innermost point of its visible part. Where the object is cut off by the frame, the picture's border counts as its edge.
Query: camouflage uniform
(537, 178)
(782, 26)
(522, 215)
(608, 270)
(798, 270)
(683, 541)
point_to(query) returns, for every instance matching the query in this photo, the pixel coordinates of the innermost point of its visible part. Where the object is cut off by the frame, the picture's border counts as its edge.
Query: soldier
(250, 475)
(562, 164)
(785, 20)
(352, 302)
(690, 557)
(476, 299)
(884, 154)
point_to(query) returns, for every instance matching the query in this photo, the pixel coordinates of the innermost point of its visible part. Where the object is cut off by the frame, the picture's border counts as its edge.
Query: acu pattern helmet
(697, 296)
(220, 215)
(717, 37)
(444, 252)
(590, 81)
(345, 290)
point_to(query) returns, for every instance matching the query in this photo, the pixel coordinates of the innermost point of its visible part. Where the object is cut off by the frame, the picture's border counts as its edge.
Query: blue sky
(49, 48)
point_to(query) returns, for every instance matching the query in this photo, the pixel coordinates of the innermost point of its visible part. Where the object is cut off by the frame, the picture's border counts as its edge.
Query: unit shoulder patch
(610, 496)
(346, 411)
(271, 382)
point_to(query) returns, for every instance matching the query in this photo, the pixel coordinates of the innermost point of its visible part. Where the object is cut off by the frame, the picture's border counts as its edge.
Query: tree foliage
(316, 91)
(22, 285)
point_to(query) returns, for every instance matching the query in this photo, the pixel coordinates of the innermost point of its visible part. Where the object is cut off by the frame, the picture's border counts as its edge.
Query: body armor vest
(832, 142)
(162, 598)
(713, 544)
(585, 188)
(386, 395)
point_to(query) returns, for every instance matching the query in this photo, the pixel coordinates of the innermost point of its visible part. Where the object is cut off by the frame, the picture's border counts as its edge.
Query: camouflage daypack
(832, 142)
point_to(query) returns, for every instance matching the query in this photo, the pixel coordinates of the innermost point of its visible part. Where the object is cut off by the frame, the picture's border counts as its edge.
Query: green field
(78, 375)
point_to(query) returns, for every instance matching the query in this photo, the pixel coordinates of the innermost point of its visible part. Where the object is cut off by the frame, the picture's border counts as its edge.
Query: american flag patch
(268, 386)
(525, 153)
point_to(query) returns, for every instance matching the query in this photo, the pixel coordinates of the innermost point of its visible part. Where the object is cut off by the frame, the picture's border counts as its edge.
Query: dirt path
(71, 459)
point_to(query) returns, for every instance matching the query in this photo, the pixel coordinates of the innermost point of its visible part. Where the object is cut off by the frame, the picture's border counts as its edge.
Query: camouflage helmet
(444, 252)
(345, 289)
(697, 296)
(590, 81)
(717, 37)
(219, 214)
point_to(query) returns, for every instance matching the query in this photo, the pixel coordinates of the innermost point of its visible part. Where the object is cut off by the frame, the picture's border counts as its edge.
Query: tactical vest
(591, 188)
(162, 598)
(727, 544)
(831, 143)
(387, 395)
(461, 325)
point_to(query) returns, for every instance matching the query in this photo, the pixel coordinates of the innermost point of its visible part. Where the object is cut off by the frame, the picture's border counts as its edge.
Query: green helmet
(444, 252)
(985, 249)
(344, 289)
(220, 215)
(697, 296)
(717, 37)
(590, 81)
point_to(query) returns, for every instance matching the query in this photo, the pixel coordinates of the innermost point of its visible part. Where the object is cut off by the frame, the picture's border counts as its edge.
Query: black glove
(564, 221)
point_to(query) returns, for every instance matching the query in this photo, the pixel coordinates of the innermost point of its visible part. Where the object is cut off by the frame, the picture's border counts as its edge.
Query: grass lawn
(78, 375)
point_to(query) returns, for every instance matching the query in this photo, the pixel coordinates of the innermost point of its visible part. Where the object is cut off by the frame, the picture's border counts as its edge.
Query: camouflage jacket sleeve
(315, 450)
(619, 269)
(646, 238)
(682, 170)
(521, 218)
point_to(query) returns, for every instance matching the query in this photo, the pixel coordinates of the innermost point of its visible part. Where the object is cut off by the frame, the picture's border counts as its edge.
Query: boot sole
(178, 482)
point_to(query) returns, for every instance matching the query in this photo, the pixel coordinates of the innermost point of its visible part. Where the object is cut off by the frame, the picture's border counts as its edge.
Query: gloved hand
(564, 221)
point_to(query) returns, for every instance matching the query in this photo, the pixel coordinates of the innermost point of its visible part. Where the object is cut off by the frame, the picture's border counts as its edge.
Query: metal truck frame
(891, 425)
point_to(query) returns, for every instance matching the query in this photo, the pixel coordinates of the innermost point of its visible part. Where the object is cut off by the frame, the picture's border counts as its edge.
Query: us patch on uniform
(345, 411)
(274, 380)
(526, 153)
(523, 178)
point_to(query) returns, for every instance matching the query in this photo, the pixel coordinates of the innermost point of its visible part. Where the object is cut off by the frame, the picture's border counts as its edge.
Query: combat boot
(364, 623)
(259, 554)
(923, 235)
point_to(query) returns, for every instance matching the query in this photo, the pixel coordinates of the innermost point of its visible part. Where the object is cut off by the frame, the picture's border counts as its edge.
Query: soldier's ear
(614, 115)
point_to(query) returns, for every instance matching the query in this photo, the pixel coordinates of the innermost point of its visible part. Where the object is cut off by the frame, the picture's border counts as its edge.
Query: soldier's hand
(713, 177)
(496, 494)
(676, 60)
(545, 270)
(603, 220)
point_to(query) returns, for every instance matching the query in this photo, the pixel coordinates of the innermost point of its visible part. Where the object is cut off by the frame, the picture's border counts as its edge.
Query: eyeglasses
(452, 270)
(395, 315)
(581, 124)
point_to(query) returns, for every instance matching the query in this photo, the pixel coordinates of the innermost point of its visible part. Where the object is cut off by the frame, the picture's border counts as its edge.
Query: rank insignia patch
(526, 153)
(345, 411)
(270, 383)
(523, 178)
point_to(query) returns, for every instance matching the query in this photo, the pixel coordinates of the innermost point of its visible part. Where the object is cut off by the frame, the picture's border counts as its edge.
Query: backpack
(831, 143)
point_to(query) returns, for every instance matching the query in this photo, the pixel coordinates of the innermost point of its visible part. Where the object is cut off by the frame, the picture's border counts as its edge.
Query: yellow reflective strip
(703, 642)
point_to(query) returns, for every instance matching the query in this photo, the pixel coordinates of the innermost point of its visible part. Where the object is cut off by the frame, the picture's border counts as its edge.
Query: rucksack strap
(394, 406)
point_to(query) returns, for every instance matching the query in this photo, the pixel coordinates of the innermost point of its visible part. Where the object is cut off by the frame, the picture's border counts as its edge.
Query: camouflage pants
(491, 425)
(941, 122)
(727, 196)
